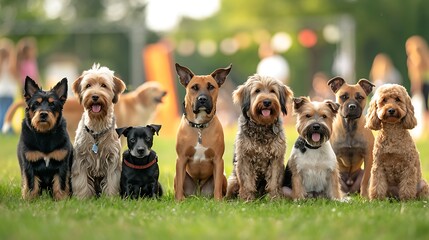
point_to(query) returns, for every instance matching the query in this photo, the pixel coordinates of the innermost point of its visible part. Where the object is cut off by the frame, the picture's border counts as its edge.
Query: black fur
(137, 183)
(47, 142)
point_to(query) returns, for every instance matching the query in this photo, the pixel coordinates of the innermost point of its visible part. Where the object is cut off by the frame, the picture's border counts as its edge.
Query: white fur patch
(46, 161)
(316, 166)
(199, 155)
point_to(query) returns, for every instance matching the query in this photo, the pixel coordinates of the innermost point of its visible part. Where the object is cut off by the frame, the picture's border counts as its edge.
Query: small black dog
(140, 171)
(45, 152)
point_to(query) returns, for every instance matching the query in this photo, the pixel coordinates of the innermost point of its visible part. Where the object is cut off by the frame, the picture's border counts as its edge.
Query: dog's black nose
(95, 98)
(140, 150)
(316, 127)
(202, 98)
(43, 115)
(352, 106)
(267, 103)
(391, 111)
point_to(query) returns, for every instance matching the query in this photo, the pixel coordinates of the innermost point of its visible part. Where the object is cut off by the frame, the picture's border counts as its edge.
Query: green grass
(199, 218)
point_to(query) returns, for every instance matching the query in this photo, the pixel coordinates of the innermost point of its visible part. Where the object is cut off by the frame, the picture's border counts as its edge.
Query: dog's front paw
(246, 196)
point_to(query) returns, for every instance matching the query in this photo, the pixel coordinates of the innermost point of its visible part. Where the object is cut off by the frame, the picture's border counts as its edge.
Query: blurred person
(272, 64)
(9, 83)
(27, 59)
(418, 72)
(320, 89)
(383, 71)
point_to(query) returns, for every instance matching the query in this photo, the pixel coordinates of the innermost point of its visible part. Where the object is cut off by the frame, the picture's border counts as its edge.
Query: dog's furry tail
(7, 123)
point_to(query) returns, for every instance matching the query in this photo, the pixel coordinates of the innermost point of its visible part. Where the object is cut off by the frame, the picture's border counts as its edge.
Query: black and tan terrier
(44, 150)
(140, 170)
(312, 169)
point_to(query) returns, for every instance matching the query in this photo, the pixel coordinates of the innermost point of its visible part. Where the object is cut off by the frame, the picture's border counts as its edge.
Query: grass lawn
(199, 218)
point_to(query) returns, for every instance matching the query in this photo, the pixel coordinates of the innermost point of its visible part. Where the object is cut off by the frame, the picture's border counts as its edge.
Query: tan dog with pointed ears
(200, 142)
(351, 141)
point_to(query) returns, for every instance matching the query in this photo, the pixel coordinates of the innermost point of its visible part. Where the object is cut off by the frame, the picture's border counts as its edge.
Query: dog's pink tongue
(315, 137)
(266, 112)
(96, 108)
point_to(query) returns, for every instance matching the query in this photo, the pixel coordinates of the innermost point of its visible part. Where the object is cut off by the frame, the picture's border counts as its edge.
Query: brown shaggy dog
(260, 144)
(96, 167)
(396, 170)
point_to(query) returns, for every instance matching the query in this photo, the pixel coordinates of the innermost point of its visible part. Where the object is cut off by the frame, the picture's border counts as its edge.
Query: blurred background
(297, 41)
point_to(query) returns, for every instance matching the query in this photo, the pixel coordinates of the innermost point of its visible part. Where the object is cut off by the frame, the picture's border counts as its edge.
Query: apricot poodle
(396, 170)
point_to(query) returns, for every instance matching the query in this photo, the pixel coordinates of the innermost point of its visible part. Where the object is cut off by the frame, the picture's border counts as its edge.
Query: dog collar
(133, 166)
(96, 136)
(302, 145)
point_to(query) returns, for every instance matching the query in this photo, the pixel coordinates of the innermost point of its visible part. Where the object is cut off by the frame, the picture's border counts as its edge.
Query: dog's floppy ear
(366, 85)
(333, 106)
(118, 88)
(299, 102)
(372, 120)
(61, 90)
(220, 74)
(76, 87)
(409, 121)
(155, 128)
(123, 131)
(336, 83)
(30, 88)
(286, 95)
(185, 75)
(241, 96)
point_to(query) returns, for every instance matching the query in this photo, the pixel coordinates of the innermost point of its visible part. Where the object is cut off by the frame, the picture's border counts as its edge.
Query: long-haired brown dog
(260, 144)
(97, 157)
(312, 169)
(396, 170)
(45, 152)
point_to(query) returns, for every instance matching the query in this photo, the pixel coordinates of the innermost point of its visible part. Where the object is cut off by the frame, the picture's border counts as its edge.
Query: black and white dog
(140, 171)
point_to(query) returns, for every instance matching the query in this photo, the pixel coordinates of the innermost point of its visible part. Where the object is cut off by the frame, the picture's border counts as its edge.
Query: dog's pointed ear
(241, 97)
(372, 120)
(118, 88)
(76, 88)
(366, 85)
(185, 75)
(409, 121)
(333, 106)
(61, 89)
(123, 131)
(299, 102)
(30, 88)
(155, 128)
(220, 74)
(336, 83)
(286, 95)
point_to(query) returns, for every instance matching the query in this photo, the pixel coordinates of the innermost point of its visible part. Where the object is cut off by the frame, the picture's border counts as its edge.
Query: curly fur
(260, 144)
(396, 170)
(97, 173)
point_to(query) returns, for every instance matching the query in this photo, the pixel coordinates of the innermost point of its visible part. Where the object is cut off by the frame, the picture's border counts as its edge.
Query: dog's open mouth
(266, 112)
(96, 108)
(315, 137)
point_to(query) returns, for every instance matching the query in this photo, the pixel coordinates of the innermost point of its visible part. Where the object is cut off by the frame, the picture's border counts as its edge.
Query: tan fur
(135, 108)
(25, 190)
(260, 144)
(396, 170)
(200, 173)
(57, 193)
(318, 166)
(105, 166)
(351, 141)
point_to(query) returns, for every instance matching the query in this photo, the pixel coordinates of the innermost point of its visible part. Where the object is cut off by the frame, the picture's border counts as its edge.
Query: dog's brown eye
(257, 91)
(398, 100)
(272, 91)
(88, 85)
(324, 116)
(344, 97)
(307, 115)
(133, 140)
(195, 88)
(103, 85)
(210, 87)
